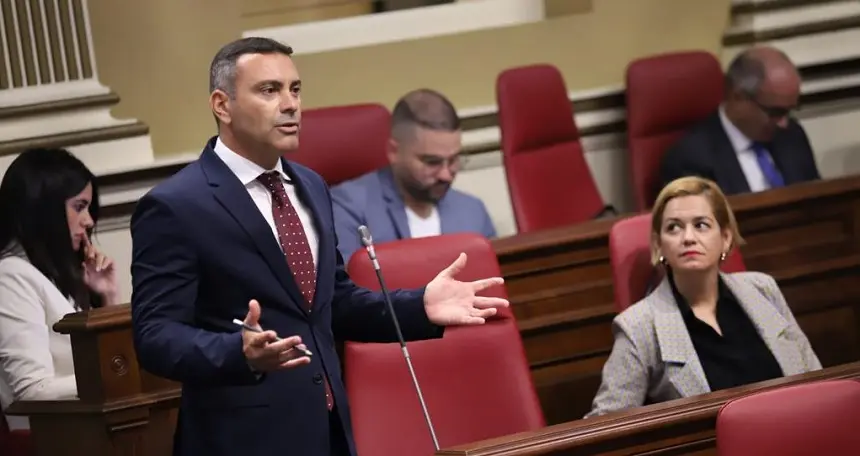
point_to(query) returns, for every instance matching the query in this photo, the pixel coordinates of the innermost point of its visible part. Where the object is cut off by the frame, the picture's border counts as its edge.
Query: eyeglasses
(774, 112)
(435, 164)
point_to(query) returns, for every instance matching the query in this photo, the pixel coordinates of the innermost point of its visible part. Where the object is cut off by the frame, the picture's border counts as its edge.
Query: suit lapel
(449, 222)
(394, 204)
(234, 197)
(781, 152)
(683, 367)
(770, 324)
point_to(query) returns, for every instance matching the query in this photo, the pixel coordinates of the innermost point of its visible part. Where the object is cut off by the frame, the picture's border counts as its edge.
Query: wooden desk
(122, 410)
(685, 426)
(559, 281)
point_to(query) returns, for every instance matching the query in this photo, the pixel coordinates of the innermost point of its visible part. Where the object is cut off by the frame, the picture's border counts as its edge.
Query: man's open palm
(448, 301)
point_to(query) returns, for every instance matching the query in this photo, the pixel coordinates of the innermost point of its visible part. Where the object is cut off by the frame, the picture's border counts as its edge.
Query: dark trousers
(339, 447)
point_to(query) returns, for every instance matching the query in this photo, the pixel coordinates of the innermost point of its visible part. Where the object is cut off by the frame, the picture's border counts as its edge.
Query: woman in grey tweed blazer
(700, 330)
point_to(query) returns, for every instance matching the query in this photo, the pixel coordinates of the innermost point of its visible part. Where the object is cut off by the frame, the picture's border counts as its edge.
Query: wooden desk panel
(682, 427)
(559, 281)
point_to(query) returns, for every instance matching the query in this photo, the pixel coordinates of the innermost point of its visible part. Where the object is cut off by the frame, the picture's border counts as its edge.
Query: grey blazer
(653, 356)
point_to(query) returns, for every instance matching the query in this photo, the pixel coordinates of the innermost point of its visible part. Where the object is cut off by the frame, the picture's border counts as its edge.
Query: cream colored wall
(591, 50)
(270, 13)
(155, 55)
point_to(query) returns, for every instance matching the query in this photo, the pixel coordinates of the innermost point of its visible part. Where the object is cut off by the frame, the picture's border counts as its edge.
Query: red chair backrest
(386, 415)
(14, 443)
(548, 178)
(343, 142)
(806, 419)
(630, 260)
(666, 95)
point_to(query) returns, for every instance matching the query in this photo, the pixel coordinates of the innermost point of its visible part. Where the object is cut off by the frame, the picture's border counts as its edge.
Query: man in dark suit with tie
(244, 233)
(751, 143)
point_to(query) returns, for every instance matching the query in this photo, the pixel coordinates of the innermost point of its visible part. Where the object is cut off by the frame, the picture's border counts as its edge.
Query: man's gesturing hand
(264, 351)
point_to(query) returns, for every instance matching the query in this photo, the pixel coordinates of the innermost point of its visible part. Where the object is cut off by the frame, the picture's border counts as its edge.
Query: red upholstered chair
(475, 380)
(808, 419)
(549, 180)
(343, 142)
(630, 260)
(666, 95)
(14, 443)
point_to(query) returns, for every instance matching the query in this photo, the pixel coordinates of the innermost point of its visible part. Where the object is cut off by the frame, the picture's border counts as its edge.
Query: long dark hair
(33, 198)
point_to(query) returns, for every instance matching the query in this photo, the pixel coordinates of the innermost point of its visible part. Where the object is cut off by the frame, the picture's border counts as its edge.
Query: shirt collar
(723, 294)
(246, 170)
(739, 141)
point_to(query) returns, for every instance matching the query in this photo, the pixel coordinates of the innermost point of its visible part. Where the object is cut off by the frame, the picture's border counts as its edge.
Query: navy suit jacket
(373, 200)
(201, 251)
(706, 151)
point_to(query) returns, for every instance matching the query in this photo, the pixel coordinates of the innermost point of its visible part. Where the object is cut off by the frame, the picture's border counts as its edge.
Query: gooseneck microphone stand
(367, 241)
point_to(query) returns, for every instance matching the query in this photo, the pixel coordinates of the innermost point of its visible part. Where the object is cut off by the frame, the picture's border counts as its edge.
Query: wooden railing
(682, 427)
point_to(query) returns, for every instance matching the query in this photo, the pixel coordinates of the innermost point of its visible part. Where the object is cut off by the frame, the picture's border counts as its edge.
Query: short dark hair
(222, 71)
(424, 108)
(33, 197)
(747, 72)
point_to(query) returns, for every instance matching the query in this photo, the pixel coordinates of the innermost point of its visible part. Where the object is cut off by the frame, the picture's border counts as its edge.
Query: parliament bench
(560, 286)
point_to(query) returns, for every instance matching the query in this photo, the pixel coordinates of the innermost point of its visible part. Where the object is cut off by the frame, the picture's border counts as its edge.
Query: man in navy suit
(751, 143)
(242, 233)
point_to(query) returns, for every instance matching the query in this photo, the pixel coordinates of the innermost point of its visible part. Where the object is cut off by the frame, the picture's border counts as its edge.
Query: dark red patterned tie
(294, 243)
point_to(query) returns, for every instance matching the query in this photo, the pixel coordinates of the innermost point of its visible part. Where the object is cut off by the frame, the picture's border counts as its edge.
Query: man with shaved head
(751, 143)
(412, 197)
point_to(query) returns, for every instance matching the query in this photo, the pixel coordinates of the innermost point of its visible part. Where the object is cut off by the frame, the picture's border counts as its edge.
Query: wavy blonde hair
(693, 186)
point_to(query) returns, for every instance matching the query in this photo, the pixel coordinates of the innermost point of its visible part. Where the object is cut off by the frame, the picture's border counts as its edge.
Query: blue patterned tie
(773, 176)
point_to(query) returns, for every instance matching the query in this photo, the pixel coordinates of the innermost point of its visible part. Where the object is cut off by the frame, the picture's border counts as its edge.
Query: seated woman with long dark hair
(700, 330)
(48, 268)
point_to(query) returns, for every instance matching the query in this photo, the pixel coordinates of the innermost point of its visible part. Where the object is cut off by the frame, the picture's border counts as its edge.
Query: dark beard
(428, 194)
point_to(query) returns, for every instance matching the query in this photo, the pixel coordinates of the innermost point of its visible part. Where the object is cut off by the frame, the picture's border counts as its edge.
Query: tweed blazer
(653, 358)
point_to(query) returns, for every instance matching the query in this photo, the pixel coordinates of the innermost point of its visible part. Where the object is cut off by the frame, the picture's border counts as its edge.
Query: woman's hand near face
(100, 273)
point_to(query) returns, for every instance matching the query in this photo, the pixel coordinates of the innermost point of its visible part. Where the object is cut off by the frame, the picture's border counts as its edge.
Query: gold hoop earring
(723, 256)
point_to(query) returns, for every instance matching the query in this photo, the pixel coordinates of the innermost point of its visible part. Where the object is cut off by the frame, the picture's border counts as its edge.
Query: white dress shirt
(247, 172)
(746, 155)
(35, 361)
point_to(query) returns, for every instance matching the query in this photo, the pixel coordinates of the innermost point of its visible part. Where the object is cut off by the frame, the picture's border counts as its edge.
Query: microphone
(367, 241)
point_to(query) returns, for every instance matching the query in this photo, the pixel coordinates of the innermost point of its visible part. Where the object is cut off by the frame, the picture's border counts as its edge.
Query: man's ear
(391, 150)
(219, 101)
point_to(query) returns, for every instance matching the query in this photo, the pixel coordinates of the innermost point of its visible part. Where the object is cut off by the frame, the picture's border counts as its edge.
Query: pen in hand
(305, 351)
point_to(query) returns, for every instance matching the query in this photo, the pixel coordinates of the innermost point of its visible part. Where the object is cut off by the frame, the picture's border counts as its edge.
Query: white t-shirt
(424, 227)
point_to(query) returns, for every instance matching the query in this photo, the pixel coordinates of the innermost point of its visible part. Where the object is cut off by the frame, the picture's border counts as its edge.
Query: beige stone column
(50, 92)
